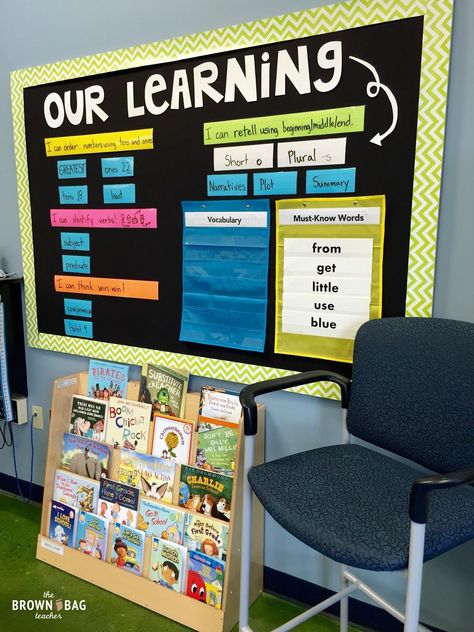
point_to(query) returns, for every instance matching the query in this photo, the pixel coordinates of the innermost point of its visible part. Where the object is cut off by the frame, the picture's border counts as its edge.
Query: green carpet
(23, 577)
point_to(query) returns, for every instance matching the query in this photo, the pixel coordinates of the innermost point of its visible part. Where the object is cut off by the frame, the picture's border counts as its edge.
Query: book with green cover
(164, 388)
(206, 492)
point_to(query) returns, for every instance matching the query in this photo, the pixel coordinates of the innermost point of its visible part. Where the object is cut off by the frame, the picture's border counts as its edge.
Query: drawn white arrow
(373, 89)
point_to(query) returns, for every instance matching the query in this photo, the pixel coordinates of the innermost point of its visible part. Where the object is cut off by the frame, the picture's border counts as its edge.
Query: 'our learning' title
(258, 76)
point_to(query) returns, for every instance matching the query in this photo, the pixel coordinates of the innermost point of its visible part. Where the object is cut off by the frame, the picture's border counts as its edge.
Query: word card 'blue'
(225, 273)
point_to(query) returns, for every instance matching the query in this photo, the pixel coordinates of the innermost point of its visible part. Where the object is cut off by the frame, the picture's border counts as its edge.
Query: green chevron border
(428, 160)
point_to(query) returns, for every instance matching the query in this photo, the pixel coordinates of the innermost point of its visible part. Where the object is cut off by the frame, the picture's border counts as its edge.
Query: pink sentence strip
(104, 218)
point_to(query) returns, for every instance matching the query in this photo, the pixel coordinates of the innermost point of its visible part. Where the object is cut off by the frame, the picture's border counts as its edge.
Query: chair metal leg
(415, 573)
(344, 607)
(246, 543)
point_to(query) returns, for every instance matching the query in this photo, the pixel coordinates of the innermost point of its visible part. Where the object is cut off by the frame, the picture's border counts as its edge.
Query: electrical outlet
(37, 411)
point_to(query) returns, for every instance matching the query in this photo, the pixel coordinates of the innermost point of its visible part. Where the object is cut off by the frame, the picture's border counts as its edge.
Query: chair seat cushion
(351, 504)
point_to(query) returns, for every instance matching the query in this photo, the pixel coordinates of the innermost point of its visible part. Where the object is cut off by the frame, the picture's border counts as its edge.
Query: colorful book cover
(128, 548)
(218, 403)
(118, 503)
(62, 524)
(76, 491)
(153, 475)
(88, 417)
(107, 379)
(205, 580)
(206, 535)
(168, 564)
(216, 446)
(92, 535)
(85, 456)
(172, 438)
(206, 492)
(165, 389)
(162, 521)
(128, 424)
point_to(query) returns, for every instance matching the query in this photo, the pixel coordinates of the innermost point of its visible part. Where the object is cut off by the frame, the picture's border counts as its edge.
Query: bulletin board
(155, 183)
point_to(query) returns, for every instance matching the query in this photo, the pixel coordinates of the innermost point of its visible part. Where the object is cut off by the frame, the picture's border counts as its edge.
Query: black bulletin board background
(176, 170)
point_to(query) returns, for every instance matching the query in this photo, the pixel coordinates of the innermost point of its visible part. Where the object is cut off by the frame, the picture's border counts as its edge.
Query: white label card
(240, 158)
(344, 215)
(317, 267)
(54, 547)
(224, 219)
(333, 286)
(317, 324)
(327, 304)
(328, 151)
(324, 247)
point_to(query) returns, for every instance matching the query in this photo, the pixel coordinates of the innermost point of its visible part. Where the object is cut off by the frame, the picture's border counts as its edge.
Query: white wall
(34, 33)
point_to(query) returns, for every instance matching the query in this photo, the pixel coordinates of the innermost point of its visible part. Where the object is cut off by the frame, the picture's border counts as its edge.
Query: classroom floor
(23, 577)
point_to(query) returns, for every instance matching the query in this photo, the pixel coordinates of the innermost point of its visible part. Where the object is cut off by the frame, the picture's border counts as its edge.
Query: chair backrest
(413, 390)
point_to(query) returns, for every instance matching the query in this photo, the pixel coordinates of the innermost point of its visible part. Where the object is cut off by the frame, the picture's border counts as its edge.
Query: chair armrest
(421, 488)
(250, 392)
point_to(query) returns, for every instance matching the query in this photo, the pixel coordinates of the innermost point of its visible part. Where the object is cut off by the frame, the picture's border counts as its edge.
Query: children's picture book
(164, 388)
(172, 438)
(205, 535)
(216, 446)
(128, 424)
(85, 456)
(128, 548)
(205, 579)
(118, 503)
(218, 403)
(206, 492)
(88, 417)
(92, 535)
(107, 379)
(153, 475)
(168, 564)
(76, 491)
(162, 521)
(63, 523)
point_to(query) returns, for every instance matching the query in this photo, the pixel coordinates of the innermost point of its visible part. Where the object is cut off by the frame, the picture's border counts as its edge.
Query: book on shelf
(118, 503)
(92, 535)
(77, 491)
(206, 535)
(220, 404)
(128, 424)
(153, 475)
(172, 438)
(85, 456)
(164, 388)
(206, 492)
(128, 549)
(216, 446)
(205, 579)
(107, 379)
(162, 521)
(62, 523)
(88, 417)
(168, 564)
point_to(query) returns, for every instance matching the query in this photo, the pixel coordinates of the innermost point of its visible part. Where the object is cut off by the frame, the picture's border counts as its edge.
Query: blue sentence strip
(232, 184)
(122, 167)
(68, 169)
(78, 328)
(77, 307)
(225, 277)
(75, 241)
(330, 180)
(73, 195)
(275, 183)
(76, 264)
(119, 193)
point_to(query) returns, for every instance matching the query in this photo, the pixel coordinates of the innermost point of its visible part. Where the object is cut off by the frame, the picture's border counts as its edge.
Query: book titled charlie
(107, 379)
(168, 564)
(88, 417)
(205, 580)
(85, 456)
(92, 532)
(77, 491)
(128, 424)
(153, 475)
(206, 492)
(206, 535)
(62, 524)
(162, 521)
(164, 388)
(128, 548)
(172, 438)
(118, 502)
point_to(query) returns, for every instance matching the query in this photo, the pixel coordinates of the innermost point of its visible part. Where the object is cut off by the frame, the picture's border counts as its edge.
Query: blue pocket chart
(225, 273)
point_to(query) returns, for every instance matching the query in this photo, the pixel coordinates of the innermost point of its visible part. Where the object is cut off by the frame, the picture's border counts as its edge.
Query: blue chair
(411, 394)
